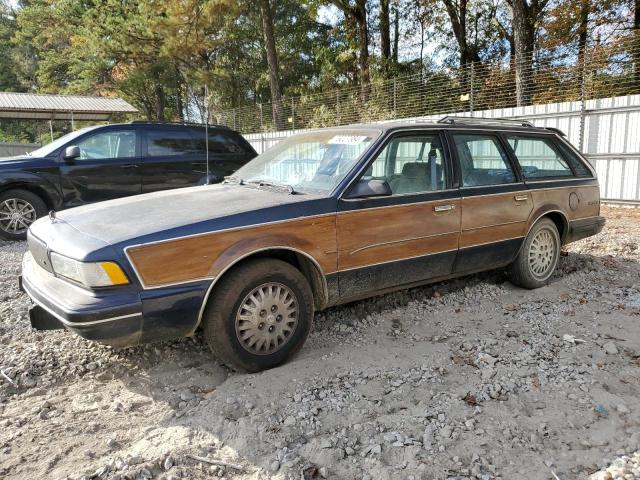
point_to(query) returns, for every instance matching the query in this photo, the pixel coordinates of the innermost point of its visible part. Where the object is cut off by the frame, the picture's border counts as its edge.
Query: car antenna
(206, 129)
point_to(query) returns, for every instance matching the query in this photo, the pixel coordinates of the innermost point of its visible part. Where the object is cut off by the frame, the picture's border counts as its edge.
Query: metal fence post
(234, 119)
(338, 106)
(293, 115)
(583, 94)
(395, 98)
(261, 118)
(471, 91)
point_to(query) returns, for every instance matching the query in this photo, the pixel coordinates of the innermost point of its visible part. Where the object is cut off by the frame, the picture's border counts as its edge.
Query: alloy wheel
(542, 253)
(16, 215)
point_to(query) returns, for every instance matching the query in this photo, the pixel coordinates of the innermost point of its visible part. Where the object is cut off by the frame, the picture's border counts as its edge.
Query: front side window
(483, 161)
(538, 157)
(410, 164)
(313, 162)
(169, 143)
(112, 144)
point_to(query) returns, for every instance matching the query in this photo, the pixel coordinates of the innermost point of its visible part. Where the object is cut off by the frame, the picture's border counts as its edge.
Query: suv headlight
(98, 274)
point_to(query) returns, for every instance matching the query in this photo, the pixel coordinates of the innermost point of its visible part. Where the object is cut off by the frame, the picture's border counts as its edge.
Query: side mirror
(71, 153)
(370, 188)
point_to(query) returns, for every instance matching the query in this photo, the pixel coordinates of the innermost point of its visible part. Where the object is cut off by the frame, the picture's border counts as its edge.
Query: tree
(457, 10)
(525, 14)
(272, 63)
(385, 32)
(357, 12)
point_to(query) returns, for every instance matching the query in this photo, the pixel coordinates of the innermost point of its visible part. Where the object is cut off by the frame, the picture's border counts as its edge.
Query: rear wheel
(18, 210)
(538, 257)
(259, 315)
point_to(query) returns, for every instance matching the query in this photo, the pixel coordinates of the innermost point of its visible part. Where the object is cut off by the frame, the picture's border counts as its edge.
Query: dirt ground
(472, 378)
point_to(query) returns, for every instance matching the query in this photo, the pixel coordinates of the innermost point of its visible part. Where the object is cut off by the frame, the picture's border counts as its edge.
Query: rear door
(171, 159)
(228, 151)
(107, 167)
(496, 203)
(410, 236)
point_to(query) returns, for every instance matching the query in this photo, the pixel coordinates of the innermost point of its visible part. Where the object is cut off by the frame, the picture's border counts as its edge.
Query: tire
(28, 205)
(233, 320)
(538, 256)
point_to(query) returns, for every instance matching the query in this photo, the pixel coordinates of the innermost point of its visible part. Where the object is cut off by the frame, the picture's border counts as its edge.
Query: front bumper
(115, 316)
(584, 227)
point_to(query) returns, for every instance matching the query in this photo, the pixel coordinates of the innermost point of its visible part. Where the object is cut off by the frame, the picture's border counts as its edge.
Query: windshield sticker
(347, 139)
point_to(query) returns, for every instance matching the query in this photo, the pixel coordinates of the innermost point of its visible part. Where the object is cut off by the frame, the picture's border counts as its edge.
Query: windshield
(309, 163)
(49, 148)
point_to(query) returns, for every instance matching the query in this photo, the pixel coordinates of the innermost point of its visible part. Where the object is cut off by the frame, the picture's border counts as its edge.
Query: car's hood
(186, 211)
(18, 162)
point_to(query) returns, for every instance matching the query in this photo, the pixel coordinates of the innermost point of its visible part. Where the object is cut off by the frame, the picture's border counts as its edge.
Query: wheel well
(307, 267)
(30, 188)
(561, 223)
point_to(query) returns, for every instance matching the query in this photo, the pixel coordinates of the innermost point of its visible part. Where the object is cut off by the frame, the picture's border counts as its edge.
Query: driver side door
(108, 167)
(407, 237)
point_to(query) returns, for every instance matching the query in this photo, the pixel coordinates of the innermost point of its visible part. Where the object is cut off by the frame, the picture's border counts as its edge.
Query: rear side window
(167, 143)
(483, 161)
(539, 157)
(219, 142)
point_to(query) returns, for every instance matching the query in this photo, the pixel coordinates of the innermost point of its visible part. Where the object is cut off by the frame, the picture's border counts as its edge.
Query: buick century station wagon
(322, 218)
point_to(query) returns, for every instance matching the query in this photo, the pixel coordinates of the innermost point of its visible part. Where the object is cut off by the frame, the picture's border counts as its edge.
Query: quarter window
(538, 157)
(112, 144)
(218, 143)
(412, 164)
(483, 161)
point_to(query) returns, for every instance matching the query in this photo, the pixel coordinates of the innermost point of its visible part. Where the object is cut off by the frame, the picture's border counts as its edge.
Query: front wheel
(538, 256)
(18, 210)
(259, 315)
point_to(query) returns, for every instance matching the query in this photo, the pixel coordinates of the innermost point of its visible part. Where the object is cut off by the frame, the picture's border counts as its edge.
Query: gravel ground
(467, 379)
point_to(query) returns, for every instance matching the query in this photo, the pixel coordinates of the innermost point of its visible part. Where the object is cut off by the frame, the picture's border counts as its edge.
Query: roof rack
(188, 124)
(485, 121)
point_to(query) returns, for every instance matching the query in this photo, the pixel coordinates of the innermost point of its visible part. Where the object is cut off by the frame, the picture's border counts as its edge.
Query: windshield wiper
(264, 183)
(233, 179)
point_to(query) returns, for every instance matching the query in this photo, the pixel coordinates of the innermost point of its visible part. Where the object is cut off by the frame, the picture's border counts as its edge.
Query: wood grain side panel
(203, 256)
(493, 218)
(558, 198)
(373, 236)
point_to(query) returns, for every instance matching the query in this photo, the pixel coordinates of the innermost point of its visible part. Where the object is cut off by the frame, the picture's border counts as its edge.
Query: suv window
(111, 144)
(219, 142)
(411, 164)
(538, 157)
(483, 161)
(166, 143)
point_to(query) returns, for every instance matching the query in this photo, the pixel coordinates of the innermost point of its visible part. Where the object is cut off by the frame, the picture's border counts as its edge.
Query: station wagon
(323, 218)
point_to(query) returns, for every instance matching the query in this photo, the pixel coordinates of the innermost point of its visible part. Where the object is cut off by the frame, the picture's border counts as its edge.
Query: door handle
(443, 208)
(133, 165)
(521, 198)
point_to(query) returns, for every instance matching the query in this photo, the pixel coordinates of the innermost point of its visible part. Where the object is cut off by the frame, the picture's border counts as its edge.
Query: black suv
(106, 162)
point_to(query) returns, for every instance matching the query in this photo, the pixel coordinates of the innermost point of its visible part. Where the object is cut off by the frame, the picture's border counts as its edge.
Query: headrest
(415, 169)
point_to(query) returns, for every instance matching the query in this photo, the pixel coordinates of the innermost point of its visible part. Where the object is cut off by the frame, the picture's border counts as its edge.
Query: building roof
(60, 107)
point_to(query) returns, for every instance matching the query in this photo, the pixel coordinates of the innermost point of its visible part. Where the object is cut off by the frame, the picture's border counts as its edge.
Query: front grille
(38, 250)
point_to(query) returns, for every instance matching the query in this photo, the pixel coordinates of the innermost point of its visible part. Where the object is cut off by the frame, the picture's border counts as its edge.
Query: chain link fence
(598, 72)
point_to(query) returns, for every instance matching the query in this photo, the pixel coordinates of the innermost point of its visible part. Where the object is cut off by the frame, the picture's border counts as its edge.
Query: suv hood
(175, 213)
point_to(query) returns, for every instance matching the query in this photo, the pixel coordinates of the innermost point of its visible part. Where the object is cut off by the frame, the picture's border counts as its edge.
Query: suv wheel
(538, 257)
(18, 210)
(259, 315)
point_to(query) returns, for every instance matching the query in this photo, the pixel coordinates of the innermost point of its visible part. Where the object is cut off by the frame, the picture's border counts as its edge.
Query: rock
(622, 408)
(187, 395)
(324, 472)
(487, 374)
(610, 348)
(168, 462)
(601, 476)
(290, 420)
(275, 466)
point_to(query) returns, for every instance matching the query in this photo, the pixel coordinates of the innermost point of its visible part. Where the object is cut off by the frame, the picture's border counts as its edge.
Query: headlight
(99, 274)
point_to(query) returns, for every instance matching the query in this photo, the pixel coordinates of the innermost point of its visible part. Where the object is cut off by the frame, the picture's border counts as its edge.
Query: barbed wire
(597, 72)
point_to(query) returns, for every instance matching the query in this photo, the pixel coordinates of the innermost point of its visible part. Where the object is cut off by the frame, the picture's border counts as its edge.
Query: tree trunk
(523, 38)
(159, 98)
(179, 95)
(272, 64)
(396, 31)
(583, 32)
(385, 32)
